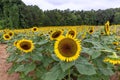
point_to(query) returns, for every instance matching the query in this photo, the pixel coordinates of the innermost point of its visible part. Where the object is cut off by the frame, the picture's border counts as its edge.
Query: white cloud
(74, 4)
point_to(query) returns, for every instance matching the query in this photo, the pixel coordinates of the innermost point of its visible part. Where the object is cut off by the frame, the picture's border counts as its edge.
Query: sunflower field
(63, 53)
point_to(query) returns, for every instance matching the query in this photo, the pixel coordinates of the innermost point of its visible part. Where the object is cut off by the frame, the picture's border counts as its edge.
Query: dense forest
(15, 14)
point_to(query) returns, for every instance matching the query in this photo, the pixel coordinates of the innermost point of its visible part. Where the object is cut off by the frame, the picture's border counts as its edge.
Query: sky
(74, 4)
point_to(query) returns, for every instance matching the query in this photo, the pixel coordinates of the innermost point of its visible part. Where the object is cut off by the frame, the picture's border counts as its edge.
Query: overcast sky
(74, 4)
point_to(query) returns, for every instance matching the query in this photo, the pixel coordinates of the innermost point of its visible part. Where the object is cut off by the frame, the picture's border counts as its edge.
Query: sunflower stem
(69, 74)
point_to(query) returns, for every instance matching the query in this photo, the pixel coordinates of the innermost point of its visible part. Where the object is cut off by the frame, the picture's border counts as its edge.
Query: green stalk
(69, 74)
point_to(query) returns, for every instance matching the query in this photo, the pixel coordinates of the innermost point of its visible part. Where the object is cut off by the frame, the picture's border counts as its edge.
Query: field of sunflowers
(63, 52)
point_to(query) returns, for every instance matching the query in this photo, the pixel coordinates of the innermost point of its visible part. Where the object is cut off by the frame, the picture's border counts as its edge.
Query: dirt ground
(4, 66)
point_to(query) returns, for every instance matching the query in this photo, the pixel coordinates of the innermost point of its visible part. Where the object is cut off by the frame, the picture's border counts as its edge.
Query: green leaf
(53, 74)
(36, 57)
(12, 57)
(47, 60)
(92, 52)
(22, 57)
(66, 65)
(87, 50)
(96, 54)
(19, 68)
(42, 42)
(29, 67)
(54, 57)
(106, 71)
(84, 67)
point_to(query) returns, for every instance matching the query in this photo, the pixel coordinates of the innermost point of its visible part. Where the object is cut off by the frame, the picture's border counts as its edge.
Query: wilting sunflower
(67, 48)
(6, 37)
(56, 34)
(11, 33)
(25, 45)
(72, 33)
(91, 30)
(107, 28)
(34, 29)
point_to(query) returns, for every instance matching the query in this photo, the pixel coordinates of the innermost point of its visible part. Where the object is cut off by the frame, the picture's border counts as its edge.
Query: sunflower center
(91, 31)
(56, 34)
(34, 29)
(25, 45)
(7, 36)
(10, 34)
(67, 47)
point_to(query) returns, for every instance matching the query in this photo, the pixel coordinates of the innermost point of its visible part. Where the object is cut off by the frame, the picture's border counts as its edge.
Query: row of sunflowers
(63, 53)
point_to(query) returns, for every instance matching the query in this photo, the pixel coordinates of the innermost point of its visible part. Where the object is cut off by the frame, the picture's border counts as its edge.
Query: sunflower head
(71, 33)
(107, 28)
(91, 30)
(25, 45)
(50, 32)
(67, 48)
(115, 43)
(118, 48)
(11, 33)
(102, 33)
(113, 61)
(34, 29)
(56, 34)
(6, 37)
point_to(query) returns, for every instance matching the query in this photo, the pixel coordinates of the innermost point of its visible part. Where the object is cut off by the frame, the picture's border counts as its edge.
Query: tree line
(15, 14)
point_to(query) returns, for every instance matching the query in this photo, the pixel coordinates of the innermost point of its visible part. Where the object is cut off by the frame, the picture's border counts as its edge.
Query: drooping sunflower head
(6, 37)
(34, 29)
(56, 34)
(25, 45)
(71, 33)
(67, 48)
(107, 28)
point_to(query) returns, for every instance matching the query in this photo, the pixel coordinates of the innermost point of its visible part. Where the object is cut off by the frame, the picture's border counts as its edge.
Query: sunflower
(34, 29)
(118, 48)
(72, 33)
(25, 45)
(91, 30)
(102, 33)
(107, 28)
(112, 60)
(11, 33)
(115, 43)
(56, 34)
(67, 48)
(15, 43)
(6, 37)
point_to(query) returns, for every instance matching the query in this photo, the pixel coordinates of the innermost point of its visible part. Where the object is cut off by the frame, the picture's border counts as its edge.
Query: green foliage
(85, 67)
(42, 63)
